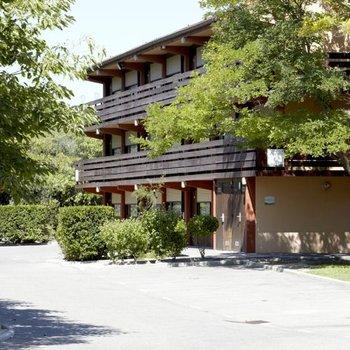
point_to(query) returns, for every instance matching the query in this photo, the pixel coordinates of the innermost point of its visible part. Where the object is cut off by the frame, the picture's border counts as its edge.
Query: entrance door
(230, 212)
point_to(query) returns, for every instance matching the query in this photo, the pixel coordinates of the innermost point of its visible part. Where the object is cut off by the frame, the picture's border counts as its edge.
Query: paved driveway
(54, 304)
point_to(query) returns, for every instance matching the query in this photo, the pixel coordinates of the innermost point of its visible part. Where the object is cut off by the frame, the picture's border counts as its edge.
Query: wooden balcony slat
(180, 163)
(191, 156)
(134, 102)
(205, 158)
(172, 171)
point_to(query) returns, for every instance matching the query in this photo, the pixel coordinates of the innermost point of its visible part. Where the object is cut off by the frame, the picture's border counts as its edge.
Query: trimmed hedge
(124, 239)
(24, 224)
(79, 233)
(202, 226)
(166, 232)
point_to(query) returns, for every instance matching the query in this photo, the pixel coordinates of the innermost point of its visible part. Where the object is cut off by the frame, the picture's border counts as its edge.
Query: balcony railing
(132, 104)
(201, 161)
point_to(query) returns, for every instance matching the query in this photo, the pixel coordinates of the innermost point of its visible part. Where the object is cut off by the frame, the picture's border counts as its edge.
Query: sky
(119, 26)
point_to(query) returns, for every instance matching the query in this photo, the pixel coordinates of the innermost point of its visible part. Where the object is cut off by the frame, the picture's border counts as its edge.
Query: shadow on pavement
(36, 327)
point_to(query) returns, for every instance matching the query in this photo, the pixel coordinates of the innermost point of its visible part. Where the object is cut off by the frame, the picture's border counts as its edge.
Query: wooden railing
(201, 161)
(133, 103)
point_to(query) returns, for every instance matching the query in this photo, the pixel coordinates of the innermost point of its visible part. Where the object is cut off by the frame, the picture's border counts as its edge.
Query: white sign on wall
(275, 158)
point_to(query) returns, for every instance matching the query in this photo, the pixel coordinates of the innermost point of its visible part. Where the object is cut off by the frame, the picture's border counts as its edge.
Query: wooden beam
(152, 58)
(134, 66)
(206, 185)
(198, 40)
(178, 50)
(112, 72)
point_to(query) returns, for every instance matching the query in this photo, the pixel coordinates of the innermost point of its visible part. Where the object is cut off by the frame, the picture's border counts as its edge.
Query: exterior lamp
(183, 184)
(98, 189)
(98, 132)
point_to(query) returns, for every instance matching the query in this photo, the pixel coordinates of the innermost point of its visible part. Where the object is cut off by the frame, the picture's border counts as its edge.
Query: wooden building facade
(214, 177)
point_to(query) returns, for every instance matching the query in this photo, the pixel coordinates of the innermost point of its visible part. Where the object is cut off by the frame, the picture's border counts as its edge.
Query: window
(116, 150)
(204, 208)
(175, 206)
(117, 209)
(131, 148)
(131, 210)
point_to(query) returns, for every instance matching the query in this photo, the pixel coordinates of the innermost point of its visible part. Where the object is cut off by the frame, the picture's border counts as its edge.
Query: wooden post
(107, 198)
(122, 206)
(164, 199)
(250, 215)
(164, 70)
(187, 204)
(213, 210)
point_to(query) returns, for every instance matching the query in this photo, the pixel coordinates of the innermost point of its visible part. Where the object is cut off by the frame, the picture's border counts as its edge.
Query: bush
(166, 232)
(20, 224)
(202, 226)
(79, 234)
(124, 239)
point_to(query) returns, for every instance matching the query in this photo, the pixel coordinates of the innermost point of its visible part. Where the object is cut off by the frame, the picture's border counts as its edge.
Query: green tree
(59, 153)
(266, 81)
(33, 103)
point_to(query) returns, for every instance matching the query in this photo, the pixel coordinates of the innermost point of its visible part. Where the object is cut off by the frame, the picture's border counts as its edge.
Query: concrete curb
(256, 265)
(303, 273)
(6, 333)
(217, 263)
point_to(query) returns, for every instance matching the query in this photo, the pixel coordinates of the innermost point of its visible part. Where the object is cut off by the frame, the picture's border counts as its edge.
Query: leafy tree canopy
(33, 104)
(266, 80)
(59, 153)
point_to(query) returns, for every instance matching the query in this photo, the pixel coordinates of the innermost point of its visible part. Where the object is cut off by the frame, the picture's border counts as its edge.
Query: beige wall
(305, 216)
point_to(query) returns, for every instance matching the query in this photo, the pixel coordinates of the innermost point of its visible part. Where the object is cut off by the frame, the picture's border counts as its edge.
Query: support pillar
(122, 206)
(250, 215)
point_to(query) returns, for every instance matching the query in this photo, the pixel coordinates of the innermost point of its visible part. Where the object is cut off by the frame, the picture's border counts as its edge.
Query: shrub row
(24, 224)
(79, 234)
(90, 233)
(160, 232)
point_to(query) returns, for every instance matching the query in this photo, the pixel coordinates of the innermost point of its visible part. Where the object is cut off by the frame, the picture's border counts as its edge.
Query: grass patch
(336, 271)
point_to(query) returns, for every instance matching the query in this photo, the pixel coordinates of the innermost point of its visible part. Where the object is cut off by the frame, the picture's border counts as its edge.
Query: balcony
(202, 161)
(128, 106)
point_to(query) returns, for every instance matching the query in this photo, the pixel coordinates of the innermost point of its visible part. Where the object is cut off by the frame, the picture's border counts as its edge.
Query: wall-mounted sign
(270, 200)
(275, 158)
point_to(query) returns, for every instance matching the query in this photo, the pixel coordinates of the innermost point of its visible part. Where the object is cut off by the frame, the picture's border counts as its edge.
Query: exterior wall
(173, 65)
(131, 79)
(116, 84)
(306, 217)
(156, 71)
(116, 198)
(203, 195)
(130, 198)
(173, 195)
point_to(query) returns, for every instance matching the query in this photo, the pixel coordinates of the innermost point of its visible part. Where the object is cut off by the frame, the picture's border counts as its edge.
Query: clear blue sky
(121, 25)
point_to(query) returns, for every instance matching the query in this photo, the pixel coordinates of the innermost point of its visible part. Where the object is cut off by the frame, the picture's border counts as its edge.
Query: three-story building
(263, 203)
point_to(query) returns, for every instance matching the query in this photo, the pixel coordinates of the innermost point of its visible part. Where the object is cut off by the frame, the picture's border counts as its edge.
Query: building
(263, 203)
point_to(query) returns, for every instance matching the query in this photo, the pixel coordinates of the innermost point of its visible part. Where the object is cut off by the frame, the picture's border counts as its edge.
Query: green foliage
(147, 196)
(59, 152)
(202, 226)
(33, 104)
(20, 224)
(79, 234)
(166, 232)
(266, 81)
(124, 239)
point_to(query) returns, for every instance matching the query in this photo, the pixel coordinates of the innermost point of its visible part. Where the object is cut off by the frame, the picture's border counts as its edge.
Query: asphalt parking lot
(53, 304)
